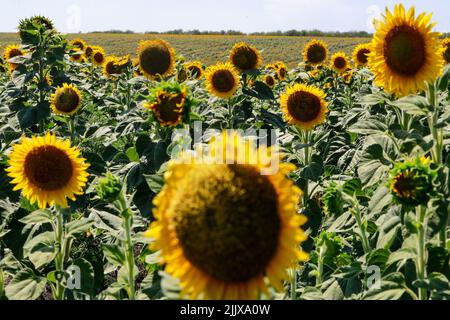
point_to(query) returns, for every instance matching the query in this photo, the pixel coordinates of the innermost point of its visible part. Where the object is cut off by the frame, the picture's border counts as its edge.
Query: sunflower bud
(333, 200)
(109, 188)
(411, 182)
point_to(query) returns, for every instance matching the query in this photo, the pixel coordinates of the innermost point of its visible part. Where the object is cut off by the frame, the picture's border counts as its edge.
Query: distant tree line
(289, 33)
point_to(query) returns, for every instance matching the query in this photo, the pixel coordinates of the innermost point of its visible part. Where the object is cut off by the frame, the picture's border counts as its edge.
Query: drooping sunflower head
(348, 77)
(47, 170)
(405, 52)
(12, 51)
(315, 52)
(78, 44)
(446, 54)
(194, 69)
(222, 80)
(98, 56)
(169, 104)
(304, 106)
(223, 227)
(245, 57)
(412, 182)
(269, 80)
(339, 62)
(113, 66)
(361, 54)
(66, 100)
(156, 58)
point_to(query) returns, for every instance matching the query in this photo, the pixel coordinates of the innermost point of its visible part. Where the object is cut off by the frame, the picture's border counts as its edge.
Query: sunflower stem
(294, 283)
(438, 145)
(127, 217)
(362, 229)
(59, 253)
(421, 249)
(320, 266)
(307, 160)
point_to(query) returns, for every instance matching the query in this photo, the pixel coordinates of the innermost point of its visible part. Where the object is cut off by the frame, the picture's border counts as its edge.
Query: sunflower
(222, 80)
(348, 77)
(405, 52)
(339, 62)
(66, 100)
(412, 182)
(446, 54)
(304, 105)
(245, 57)
(47, 170)
(223, 227)
(114, 66)
(195, 69)
(269, 80)
(98, 56)
(77, 57)
(10, 52)
(78, 44)
(88, 51)
(156, 58)
(169, 107)
(315, 52)
(360, 54)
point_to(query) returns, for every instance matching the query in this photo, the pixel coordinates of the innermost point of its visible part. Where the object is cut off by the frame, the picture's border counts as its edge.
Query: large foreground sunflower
(223, 227)
(405, 52)
(66, 100)
(47, 170)
(222, 80)
(446, 54)
(315, 52)
(10, 52)
(360, 54)
(304, 106)
(339, 62)
(156, 58)
(245, 57)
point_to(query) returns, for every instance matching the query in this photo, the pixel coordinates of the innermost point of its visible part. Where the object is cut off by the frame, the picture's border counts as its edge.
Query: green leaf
(114, 254)
(41, 249)
(78, 226)
(311, 293)
(133, 154)
(25, 286)
(380, 200)
(435, 281)
(38, 216)
(413, 105)
(155, 182)
(366, 127)
(388, 232)
(86, 277)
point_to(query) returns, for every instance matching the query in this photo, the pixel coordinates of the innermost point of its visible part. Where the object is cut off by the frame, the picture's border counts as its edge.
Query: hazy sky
(244, 15)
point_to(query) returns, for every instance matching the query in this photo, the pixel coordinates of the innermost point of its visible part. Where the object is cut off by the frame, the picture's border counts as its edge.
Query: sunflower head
(78, 44)
(28, 24)
(156, 58)
(348, 77)
(339, 62)
(222, 80)
(136, 67)
(88, 50)
(315, 52)
(361, 54)
(98, 56)
(412, 182)
(245, 57)
(77, 56)
(113, 66)
(47, 170)
(66, 100)
(269, 80)
(194, 69)
(333, 200)
(169, 104)
(446, 46)
(405, 52)
(224, 229)
(10, 52)
(109, 188)
(304, 106)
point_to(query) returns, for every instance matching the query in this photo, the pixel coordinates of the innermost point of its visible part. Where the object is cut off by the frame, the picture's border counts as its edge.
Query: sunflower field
(150, 177)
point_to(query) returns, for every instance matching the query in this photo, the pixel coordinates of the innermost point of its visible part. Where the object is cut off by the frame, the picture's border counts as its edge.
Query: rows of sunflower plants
(160, 178)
